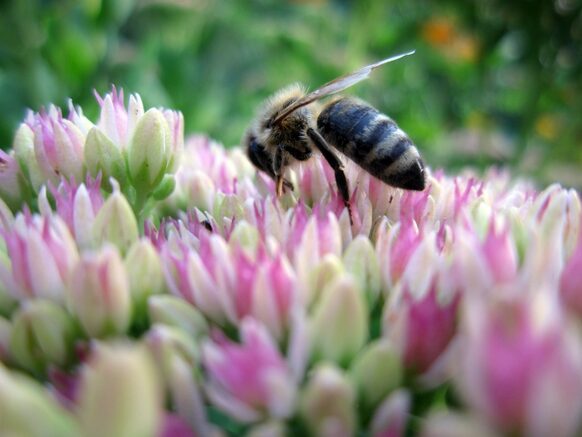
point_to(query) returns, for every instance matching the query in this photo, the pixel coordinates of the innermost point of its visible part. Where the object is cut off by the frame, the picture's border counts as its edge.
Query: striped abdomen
(373, 141)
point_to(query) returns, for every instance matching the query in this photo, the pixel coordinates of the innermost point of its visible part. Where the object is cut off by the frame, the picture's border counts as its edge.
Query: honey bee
(286, 129)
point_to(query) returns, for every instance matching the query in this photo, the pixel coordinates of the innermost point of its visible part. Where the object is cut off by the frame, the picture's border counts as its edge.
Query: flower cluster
(143, 294)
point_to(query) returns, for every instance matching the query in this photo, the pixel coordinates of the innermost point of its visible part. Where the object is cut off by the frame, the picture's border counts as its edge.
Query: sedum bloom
(444, 312)
(518, 359)
(99, 293)
(42, 334)
(11, 180)
(58, 145)
(19, 397)
(119, 393)
(42, 254)
(327, 403)
(78, 206)
(115, 222)
(251, 380)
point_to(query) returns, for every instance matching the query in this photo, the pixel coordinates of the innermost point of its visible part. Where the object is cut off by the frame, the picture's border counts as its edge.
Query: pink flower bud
(174, 353)
(175, 121)
(174, 426)
(571, 281)
(42, 254)
(99, 293)
(391, 416)
(251, 380)
(271, 295)
(394, 247)
(58, 145)
(421, 326)
(78, 205)
(518, 359)
(116, 122)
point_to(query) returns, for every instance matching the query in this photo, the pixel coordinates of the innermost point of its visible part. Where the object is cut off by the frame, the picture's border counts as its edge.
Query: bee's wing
(337, 85)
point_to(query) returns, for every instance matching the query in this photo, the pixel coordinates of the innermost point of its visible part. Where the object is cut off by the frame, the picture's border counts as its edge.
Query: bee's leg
(278, 170)
(336, 165)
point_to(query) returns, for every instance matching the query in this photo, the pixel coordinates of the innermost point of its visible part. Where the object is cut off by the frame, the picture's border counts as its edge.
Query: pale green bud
(339, 323)
(268, 429)
(43, 333)
(164, 341)
(323, 273)
(361, 261)
(5, 335)
(173, 311)
(6, 216)
(7, 301)
(328, 403)
(245, 235)
(27, 409)
(103, 156)
(450, 424)
(376, 371)
(23, 146)
(120, 393)
(149, 151)
(144, 270)
(116, 223)
(228, 205)
(198, 188)
(99, 293)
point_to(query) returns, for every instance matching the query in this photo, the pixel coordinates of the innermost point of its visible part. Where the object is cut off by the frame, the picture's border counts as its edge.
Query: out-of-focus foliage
(492, 81)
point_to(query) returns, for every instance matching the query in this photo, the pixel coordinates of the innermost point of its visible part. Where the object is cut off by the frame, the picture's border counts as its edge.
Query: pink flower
(175, 121)
(115, 120)
(521, 366)
(571, 280)
(58, 145)
(99, 293)
(266, 291)
(480, 264)
(174, 426)
(78, 206)
(394, 247)
(42, 254)
(251, 380)
(421, 327)
(229, 284)
(390, 417)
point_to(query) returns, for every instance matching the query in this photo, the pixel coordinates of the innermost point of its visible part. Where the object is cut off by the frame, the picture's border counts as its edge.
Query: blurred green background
(492, 81)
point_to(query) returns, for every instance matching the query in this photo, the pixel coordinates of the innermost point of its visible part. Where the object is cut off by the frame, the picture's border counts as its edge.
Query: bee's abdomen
(373, 141)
